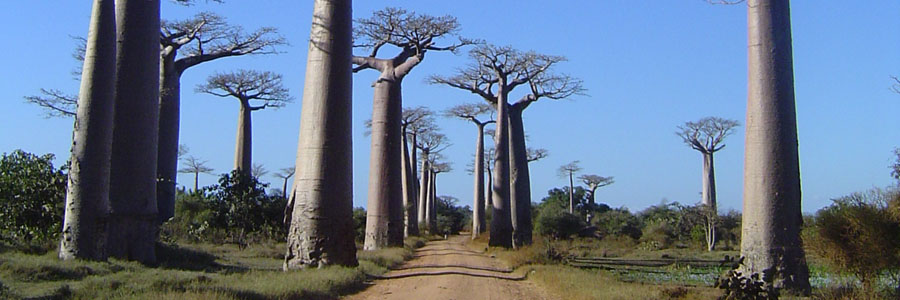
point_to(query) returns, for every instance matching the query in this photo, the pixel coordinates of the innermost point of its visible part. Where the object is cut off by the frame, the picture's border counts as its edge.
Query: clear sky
(649, 66)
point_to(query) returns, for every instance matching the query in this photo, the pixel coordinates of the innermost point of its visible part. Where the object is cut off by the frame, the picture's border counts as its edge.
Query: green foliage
(618, 222)
(359, 223)
(451, 219)
(895, 168)
(739, 287)
(674, 223)
(559, 197)
(557, 223)
(32, 197)
(859, 234)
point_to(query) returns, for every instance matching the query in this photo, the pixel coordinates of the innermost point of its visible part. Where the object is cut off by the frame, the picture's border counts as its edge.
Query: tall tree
(772, 218)
(193, 165)
(254, 91)
(183, 45)
(321, 204)
(87, 196)
(569, 170)
(258, 171)
(132, 185)
(473, 112)
(415, 121)
(494, 73)
(437, 167)
(285, 174)
(431, 143)
(594, 182)
(707, 136)
(414, 35)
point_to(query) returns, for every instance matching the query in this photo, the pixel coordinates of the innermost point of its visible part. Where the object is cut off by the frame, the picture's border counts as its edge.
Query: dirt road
(449, 270)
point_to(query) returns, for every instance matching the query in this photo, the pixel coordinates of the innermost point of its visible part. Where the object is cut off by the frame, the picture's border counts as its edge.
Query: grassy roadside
(200, 271)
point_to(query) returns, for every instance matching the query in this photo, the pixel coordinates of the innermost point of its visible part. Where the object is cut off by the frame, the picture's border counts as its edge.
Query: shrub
(859, 233)
(557, 223)
(359, 223)
(451, 219)
(32, 197)
(618, 222)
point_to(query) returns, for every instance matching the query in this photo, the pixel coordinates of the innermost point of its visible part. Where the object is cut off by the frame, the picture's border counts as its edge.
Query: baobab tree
(569, 170)
(772, 219)
(321, 204)
(285, 174)
(431, 143)
(594, 182)
(87, 196)
(132, 184)
(473, 112)
(414, 35)
(707, 136)
(533, 155)
(254, 91)
(184, 44)
(193, 165)
(437, 167)
(258, 170)
(493, 74)
(415, 121)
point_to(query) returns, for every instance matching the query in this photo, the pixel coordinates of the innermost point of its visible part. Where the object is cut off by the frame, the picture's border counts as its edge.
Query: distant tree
(285, 173)
(321, 204)
(248, 87)
(437, 167)
(896, 86)
(415, 35)
(415, 121)
(258, 171)
(494, 72)
(84, 230)
(430, 143)
(569, 170)
(895, 168)
(184, 44)
(708, 135)
(593, 182)
(193, 165)
(473, 112)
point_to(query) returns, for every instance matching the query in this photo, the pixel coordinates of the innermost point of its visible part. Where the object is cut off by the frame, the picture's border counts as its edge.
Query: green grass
(190, 271)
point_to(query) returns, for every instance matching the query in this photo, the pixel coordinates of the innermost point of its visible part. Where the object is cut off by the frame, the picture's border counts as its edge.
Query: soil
(448, 269)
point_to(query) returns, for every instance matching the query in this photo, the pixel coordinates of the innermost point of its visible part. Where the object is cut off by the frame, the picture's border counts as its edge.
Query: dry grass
(197, 271)
(571, 283)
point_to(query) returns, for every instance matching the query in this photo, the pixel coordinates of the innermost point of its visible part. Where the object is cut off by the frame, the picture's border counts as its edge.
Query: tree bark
(132, 194)
(423, 193)
(321, 231)
(384, 220)
(489, 195)
(432, 196)
(284, 188)
(501, 228)
(243, 143)
(169, 116)
(571, 194)
(772, 216)
(478, 199)
(520, 182)
(709, 198)
(196, 182)
(87, 196)
(411, 227)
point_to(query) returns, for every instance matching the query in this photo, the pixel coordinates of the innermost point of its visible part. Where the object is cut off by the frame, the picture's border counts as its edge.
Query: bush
(359, 223)
(859, 233)
(557, 223)
(32, 197)
(618, 222)
(451, 219)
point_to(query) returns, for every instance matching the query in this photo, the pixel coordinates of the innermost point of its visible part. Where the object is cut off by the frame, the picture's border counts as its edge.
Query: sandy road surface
(449, 270)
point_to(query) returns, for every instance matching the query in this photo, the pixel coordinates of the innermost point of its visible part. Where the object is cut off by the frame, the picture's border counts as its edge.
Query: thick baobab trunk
(772, 217)
(413, 163)
(478, 199)
(167, 158)
(132, 192)
(284, 188)
(423, 193)
(87, 196)
(489, 195)
(432, 197)
(411, 227)
(384, 220)
(501, 228)
(520, 182)
(196, 183)
(321, 231)
(709, 199)
(243, 144)
(571, 194)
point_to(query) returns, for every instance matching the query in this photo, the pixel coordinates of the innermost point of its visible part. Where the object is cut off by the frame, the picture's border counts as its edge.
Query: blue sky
(649, 66)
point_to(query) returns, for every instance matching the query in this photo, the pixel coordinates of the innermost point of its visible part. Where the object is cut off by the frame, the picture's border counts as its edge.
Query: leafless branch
(570, 168)
(194, 165)
(706, 135)
(248, 85)
(55, 103)
(536, 154)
